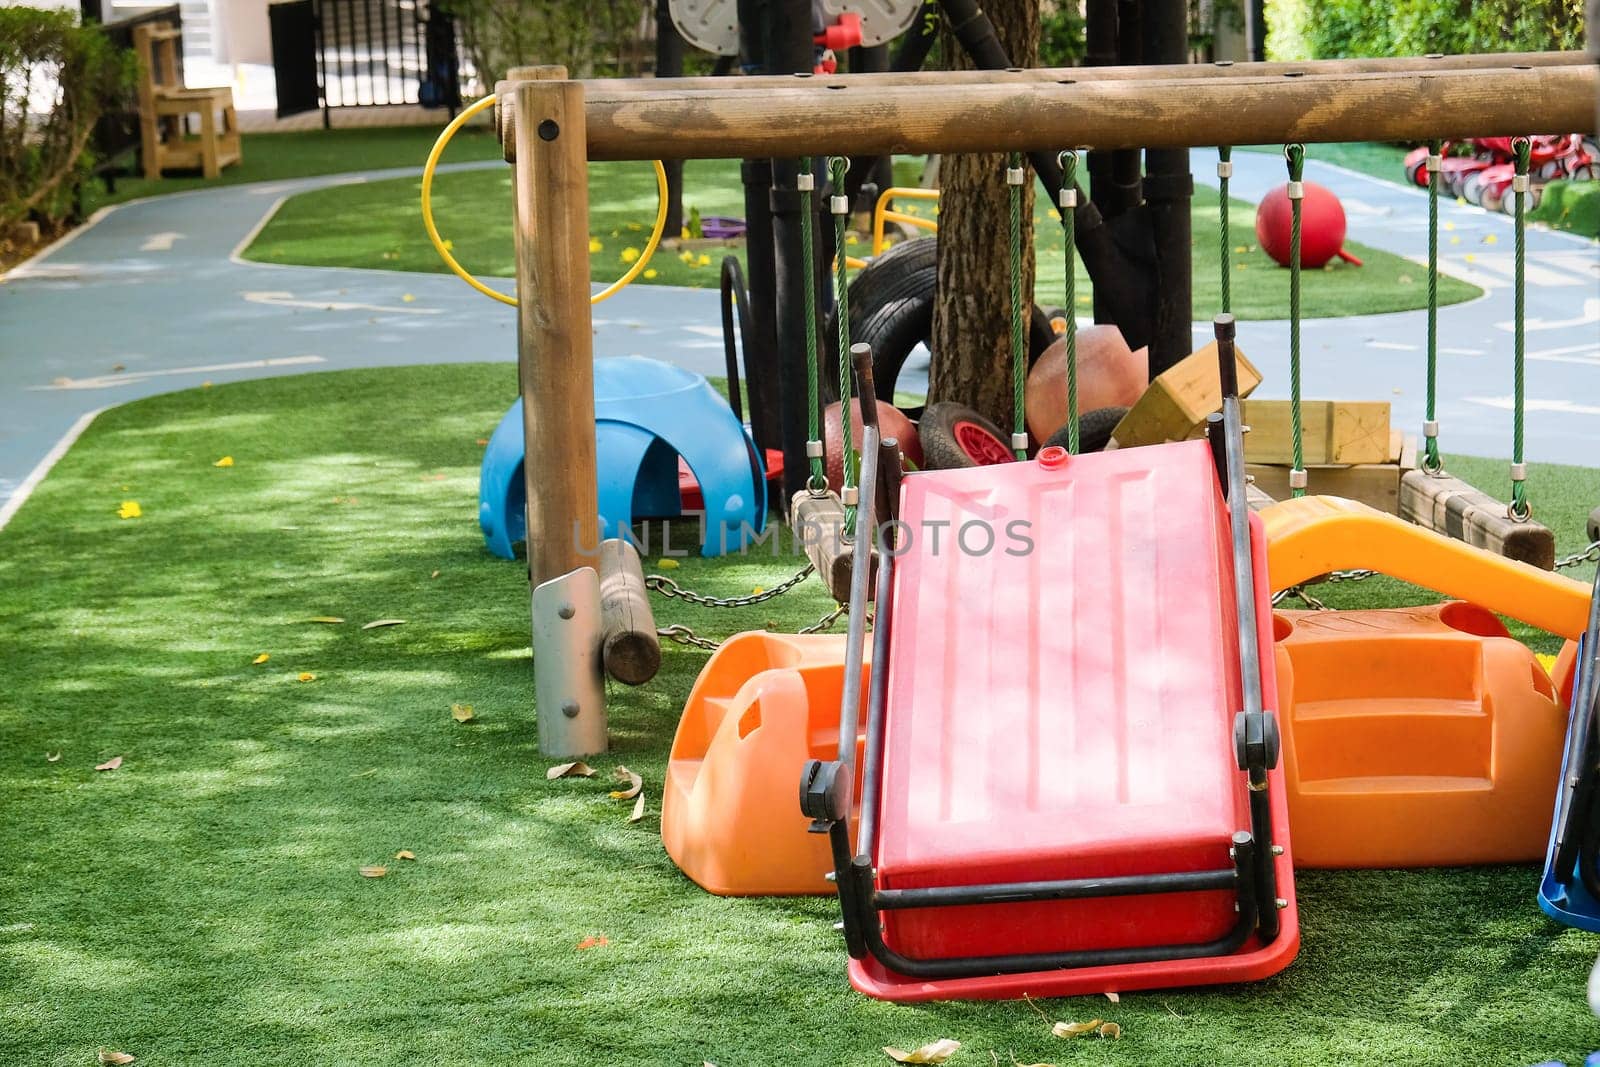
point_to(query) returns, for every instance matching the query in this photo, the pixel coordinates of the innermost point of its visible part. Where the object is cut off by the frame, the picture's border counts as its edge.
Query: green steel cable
(1224, 172)
(808, 254)
(1069, 203)
(1430, 428)
(839, 166)
(1019, 366)
(1296, 155)
(1519, 486)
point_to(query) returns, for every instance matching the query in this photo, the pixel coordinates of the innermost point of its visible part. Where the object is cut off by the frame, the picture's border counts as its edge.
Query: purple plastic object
(721, 227)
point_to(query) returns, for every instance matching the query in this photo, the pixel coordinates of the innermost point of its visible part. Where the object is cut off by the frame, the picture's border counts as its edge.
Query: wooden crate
(1338, 432)
(1376, 484)
(1175, 406)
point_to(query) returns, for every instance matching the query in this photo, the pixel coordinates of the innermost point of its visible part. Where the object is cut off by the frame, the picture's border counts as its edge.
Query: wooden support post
(628, 642)
(1450, 506)
(505, 104)
(555, 338)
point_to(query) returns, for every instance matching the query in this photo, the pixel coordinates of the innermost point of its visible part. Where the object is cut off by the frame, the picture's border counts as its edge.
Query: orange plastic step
(1415, 737)
(730, 815)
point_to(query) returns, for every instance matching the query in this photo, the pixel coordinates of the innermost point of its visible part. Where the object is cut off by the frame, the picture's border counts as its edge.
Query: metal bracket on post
(569, 688)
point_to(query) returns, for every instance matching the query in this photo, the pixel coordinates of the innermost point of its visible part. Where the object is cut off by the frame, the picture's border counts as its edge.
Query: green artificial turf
(202, 903)
(306, 153)
(379, 224)
(1373, 158)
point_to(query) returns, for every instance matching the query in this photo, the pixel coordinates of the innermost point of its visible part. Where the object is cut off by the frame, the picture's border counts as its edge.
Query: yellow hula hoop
(461, 272)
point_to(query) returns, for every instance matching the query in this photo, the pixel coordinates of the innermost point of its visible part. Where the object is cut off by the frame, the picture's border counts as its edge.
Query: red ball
(892, 422)
(1321, 225)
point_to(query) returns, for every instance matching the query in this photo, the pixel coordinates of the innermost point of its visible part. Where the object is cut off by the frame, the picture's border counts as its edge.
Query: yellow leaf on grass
(461, 712)
(306, 676)
(376, 870)
(225, 461)
(575, 769)
(638, 809)
(52, 757)
(1076, 1029)
(595, 245)
(379, 623)
(110, 765)
(703, 261)
(259, 660)
(651, 273)
(933, 1052)
(108, 1055)
(635, 783)
(405, 854)
(629, 254)
(593, 942)
(329, 620)
(130, 509)
(435, 574)
(667, 564)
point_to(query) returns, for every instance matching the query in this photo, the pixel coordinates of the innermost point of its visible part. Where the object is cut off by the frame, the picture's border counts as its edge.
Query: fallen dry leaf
(259, 660)
(933, 1052)
(461, 712)
(1111, 1030)
(111, 764)
(108, 1055)
(377, 623)
(593, 942)
(306, 676)
(405, 854)
(635, 783)
(1115, 998)
(330, 620)
(575, 769)
(52, 757)
(1075, 1029)
(225, 461)
(638, 809)
(667, 564)
(376, 870)
(435, 574)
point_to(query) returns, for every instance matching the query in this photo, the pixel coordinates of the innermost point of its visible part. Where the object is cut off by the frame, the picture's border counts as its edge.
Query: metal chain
(1588, 555)
(660, 583)
(685, 635)
(1298, 592)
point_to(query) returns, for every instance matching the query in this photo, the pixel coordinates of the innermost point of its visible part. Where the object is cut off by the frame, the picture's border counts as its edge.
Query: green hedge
(1571, 206)
(1333, 29)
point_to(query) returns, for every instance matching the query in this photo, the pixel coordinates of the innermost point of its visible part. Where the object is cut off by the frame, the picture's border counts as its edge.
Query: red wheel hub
(981, 446)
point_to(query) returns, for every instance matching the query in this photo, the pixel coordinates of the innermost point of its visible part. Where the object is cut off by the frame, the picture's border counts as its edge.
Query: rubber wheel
(1094, 429)
(955, 436)
(891, 309)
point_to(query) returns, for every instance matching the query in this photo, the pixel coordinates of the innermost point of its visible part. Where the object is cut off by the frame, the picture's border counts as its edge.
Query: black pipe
(669, 64)
(760, 356)
(873, 173)
(918, 41)
(1168, 192)
(789, 50)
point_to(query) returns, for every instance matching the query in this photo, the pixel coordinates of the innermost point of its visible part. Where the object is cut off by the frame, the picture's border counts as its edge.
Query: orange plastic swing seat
(1415, 737)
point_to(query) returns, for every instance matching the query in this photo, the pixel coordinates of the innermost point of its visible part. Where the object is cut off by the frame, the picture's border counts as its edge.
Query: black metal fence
(364, 53)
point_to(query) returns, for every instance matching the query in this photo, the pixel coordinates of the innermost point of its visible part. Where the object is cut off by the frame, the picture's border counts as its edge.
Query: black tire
(1094, 429)
(891, 309)
(942, 430)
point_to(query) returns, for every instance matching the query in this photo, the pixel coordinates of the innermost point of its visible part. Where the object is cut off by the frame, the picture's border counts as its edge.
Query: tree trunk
(972, 316)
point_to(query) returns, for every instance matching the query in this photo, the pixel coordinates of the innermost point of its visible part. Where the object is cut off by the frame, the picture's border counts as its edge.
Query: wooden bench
(165, 105)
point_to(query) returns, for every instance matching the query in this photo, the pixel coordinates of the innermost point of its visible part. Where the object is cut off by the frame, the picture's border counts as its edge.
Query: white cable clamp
(1435, 164)
(1014, 176)
(1519, 183)
(1225, 169)
(1297, 190)
(1430, 428)
(1519, 472)
(1297, 478)
(1068, 199)
(805, 182)
(840, 205)
(1019, 442)
(849, 495)
(813, 449)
